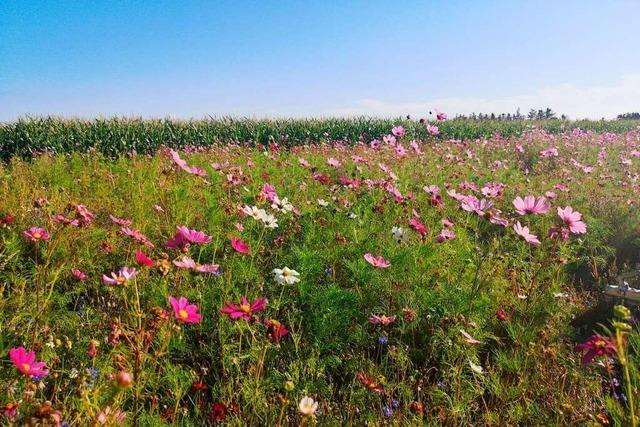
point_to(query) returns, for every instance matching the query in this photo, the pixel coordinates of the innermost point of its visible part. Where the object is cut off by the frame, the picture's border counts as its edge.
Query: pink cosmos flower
(26, 363)
(185, 236)
(183, 165)
(268, 192)
(137, 236)
(188, 263)
(531, 205)
(418, 226)
(441, 116)
(79, 275)
(240, 246)
(398, 131)
(119, 221)
(333, 162)
(472, 204)
(381, 320)
(445, 234)
(524, 233)
(36, 234)
(573, 219)
(551, 152)
(433, 130)
(84, 214)
(304, 162)
(244, 310)
(194, 236)
(123, 276)
(143, 259)
(184, 311)
(377, 261)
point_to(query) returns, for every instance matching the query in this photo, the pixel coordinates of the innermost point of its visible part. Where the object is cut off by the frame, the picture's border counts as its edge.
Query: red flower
(597, 345)
(218, 412)
(502, 315)
(276, 329)
(240, 246)
(143, 259)
(370, 383)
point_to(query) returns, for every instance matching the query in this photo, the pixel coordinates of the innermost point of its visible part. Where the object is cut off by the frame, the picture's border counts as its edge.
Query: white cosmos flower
(282, 205)
(270, 221)
(399, 234)
(253, 211)
(307, 406)
(286, 275)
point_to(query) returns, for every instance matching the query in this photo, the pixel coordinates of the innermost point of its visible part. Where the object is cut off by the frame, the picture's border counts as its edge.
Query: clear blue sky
(283, 58)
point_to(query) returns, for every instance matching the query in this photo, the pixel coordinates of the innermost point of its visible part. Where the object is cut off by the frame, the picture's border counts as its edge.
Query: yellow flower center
(37, 235)
(285, 273)
(601, 344)
(121, 280)
(26, 367)
(183, 314)
(245, 307)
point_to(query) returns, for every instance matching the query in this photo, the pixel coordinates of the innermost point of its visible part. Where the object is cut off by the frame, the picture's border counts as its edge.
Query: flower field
(391, 281)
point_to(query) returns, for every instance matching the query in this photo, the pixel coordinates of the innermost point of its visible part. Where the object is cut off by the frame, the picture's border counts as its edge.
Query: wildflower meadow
(405, 278)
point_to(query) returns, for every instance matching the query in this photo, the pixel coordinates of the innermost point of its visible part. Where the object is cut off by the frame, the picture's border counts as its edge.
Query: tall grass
(116, 136)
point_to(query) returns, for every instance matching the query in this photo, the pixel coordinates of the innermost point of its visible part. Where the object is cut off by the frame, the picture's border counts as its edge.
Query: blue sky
(317, 58)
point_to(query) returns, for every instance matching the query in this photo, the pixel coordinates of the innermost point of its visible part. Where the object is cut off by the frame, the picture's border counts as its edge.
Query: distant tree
(518, 115)
(549, 114)
(532, 114)
(629, 116)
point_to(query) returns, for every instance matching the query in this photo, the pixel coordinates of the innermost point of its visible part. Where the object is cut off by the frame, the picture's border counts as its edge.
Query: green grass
(530, 372)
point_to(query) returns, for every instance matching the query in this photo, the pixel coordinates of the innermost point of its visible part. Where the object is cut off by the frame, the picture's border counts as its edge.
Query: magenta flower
(524, 233)
(79, 275)
(143, 259)
(123, 276)
(596, 345)
(184, 311)
(194, 236)
(186, 236)
(418, 226)
(441, 116)
(573, 219)
(26, 362)
(531, 205)
(377, 261)
(398, 131)
(240, 246)
(244, 310)
(36, 234)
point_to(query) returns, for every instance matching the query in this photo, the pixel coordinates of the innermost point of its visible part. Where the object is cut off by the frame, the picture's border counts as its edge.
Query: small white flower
(282, 205)
(307, 406)
(399, 234)
(323, 203)
(353, 216)
(476, 368)
(285, 275)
